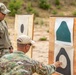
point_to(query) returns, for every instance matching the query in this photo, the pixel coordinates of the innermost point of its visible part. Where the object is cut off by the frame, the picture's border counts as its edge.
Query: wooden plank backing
(51, 40)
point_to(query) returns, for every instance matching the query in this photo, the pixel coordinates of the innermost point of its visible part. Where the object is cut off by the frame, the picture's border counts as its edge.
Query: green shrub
(30, 10)
(57, 2)
(54, 12)
(35, 12)
(74, 13)
(29, 7)
(44, 5)
(58, 6)
(14, 6)
(43, 39)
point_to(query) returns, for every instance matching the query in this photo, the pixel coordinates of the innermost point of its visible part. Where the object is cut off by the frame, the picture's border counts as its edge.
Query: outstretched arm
(42, 69)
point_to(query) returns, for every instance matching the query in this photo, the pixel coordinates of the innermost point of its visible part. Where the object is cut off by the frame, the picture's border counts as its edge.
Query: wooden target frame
(24, 25)
(52, 43)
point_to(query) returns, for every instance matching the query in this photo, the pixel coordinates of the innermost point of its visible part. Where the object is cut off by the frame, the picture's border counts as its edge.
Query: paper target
(66, 69)
(24, 26)
(64, 31)
(64, 44)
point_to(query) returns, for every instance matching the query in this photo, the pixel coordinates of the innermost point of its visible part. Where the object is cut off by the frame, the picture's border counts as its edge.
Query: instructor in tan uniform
(5, 44)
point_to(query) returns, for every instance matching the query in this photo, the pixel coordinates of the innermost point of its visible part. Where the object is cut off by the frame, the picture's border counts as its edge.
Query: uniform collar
(19, 52)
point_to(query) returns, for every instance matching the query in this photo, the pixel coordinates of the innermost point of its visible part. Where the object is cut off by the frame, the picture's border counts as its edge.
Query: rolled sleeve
(42, 69)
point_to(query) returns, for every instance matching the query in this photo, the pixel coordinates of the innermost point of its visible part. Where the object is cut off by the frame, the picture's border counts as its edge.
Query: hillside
(64, 8)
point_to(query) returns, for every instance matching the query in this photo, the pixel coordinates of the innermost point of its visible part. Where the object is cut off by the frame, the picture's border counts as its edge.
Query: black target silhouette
(22, 28)
(67, 69)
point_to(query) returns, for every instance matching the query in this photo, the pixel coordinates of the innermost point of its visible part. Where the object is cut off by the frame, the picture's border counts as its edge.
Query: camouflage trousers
(3, 52)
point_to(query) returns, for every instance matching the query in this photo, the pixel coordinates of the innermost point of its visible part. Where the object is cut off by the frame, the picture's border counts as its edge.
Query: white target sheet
(64, 31)
(64, 54)
(24, 26)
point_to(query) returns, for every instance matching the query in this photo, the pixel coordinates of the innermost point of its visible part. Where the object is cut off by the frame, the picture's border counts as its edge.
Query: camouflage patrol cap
(3, 9)
(24, 39)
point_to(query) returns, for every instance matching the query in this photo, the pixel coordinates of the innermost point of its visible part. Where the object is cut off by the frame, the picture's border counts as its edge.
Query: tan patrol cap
(24, 39)
(3, 9)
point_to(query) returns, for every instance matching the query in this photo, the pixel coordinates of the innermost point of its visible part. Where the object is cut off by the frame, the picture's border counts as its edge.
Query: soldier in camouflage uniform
(17, 63)
(5, 44)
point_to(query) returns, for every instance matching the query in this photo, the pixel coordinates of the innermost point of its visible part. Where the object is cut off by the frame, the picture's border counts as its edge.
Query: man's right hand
(57, 64)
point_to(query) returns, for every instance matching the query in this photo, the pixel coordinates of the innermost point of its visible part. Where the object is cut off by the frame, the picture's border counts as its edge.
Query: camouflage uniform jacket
(4, 36)
(17, 63)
